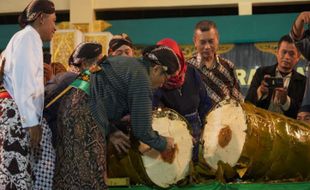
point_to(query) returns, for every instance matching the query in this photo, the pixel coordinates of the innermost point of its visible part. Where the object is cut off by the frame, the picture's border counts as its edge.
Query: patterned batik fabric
(20, 166)
(15, 165)
(220, 81)
(80, 148)
(44, 161)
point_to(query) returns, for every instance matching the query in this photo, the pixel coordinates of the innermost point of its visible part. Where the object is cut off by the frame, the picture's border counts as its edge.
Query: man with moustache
(217, 73)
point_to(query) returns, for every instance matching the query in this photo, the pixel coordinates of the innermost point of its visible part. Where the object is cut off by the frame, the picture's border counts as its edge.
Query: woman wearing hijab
(184, 93)
(62, 80)
(121, 45)
(21, 123)
(80, 145)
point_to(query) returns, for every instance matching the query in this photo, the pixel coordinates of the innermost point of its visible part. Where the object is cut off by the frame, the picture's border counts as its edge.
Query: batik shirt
(221, 81)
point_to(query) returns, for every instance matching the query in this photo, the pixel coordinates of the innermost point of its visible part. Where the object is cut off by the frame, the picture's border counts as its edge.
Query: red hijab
(177, 80)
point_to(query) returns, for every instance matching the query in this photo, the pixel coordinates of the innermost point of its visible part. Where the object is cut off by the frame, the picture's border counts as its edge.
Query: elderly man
(287, 98)
(217, 72)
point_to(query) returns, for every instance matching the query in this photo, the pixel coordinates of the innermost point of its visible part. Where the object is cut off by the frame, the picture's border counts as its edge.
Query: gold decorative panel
(100, 37)
(100, 25)
(63, 43)
(83, 27)
(225, 48)
(189, 49)
(96, 26)
(268, 47)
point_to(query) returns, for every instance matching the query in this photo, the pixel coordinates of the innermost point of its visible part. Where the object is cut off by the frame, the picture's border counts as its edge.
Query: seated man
(304, 114)
(285, 99)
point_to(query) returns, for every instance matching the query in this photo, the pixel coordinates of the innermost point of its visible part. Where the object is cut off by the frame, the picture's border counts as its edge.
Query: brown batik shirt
(220, 80)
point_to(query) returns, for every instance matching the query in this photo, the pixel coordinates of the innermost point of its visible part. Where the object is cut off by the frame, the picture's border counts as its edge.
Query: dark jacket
(53, 88)
(296, 90)
(189, 98)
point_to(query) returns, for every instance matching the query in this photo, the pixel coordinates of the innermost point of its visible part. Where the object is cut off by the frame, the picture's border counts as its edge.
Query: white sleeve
(27, 80)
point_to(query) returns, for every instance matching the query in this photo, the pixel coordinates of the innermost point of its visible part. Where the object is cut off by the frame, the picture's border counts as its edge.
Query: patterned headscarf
(118, 40)
(33, 11)
(85, 50)
(177, 80)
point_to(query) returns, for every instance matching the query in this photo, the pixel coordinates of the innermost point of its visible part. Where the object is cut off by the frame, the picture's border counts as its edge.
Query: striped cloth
(221, 81)
(122, 87)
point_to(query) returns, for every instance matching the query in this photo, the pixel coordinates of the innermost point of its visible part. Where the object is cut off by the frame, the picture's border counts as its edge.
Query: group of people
(54, 132)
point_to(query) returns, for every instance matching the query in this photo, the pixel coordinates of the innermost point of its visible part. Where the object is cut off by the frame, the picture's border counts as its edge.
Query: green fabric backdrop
(233, 29)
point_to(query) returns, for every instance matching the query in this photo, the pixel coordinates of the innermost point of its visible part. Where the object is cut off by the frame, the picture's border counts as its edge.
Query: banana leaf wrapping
(243, 141)
(148, 167)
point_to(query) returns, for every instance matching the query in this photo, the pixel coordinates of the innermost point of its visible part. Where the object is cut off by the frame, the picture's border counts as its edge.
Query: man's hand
(120, 142)
(263, 88)
(48, 73)
(304, 17)
(170, 143)
(298, 26)
(280, 96)
(168, 154)
(35, 134)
